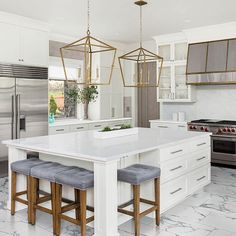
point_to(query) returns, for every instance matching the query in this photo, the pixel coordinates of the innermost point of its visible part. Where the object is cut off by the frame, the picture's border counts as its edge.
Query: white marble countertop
(77, 121)
(168, 121)
(83, 145)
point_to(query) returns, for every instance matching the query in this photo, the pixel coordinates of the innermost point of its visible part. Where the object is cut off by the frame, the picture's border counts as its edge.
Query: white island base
(184, 159)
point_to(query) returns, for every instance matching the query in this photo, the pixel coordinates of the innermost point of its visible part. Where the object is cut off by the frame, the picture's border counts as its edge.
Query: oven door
(223, 150)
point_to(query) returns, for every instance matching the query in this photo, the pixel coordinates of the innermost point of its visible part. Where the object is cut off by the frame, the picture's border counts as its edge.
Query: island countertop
(84, 145)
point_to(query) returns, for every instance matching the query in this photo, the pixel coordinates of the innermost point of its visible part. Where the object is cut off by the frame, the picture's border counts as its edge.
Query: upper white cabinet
(172, 86)
(22, 45)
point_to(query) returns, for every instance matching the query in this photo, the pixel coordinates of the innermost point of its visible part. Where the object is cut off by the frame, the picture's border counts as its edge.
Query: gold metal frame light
(141, 58)
(88, 48)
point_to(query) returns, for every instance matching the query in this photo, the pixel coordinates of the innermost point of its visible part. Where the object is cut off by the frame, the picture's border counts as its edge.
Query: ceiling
(119, 19)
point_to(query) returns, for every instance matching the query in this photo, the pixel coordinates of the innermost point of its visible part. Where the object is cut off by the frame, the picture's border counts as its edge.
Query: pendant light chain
(141, 27)
(88, 19)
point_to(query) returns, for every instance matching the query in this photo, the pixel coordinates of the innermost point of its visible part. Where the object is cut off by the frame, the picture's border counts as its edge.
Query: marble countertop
(168, 121)
(83, 145)
(77, 121)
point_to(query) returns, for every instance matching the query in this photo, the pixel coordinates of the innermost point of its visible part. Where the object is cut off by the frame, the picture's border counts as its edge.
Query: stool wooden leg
(58, 208)
(83, 212)
(13, 192)
(29, 198)
(157, 200)
(136, 192)
(33, 199)
(53, 205)
(77, 200)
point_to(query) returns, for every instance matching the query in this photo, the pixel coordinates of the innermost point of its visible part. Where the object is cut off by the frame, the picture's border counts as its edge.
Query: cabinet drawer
(173, 152)
(173, 191)
(77, 128)
(200, 144)
(59, 129)
(198, 177)
(200, 158)
(98, 126)
(173, 169)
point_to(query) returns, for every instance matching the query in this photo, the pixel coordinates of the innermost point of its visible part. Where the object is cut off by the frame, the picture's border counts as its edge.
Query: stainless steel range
(223, 140)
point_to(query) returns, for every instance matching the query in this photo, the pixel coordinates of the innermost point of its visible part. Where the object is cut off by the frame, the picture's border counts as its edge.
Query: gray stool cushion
(136, 174)
(24, 166)
(78, 178)
(48, 171)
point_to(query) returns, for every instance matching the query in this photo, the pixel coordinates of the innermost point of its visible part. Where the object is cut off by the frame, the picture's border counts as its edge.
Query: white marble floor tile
(220, 232)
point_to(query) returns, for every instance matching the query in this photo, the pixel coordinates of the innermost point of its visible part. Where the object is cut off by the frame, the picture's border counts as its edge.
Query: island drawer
(173, 191)
(200, 158)
(173, 151)
(173, 168)
(62, 129)
(198, 177)
(79, 127)
(200, 144)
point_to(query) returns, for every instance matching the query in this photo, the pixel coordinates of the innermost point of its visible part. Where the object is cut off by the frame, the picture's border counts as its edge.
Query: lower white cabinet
(79, 127)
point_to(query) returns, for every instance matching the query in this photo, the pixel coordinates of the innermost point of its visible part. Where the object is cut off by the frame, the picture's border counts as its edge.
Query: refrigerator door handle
(13, 125)
(18, 116)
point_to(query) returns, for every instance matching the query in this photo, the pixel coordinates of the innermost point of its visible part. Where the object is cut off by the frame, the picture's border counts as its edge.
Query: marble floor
(209, 212)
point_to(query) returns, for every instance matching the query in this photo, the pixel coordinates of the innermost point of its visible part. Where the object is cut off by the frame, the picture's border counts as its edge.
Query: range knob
(219, 131)
(224, 130)
(206, 130)
(202, 128)
(233, 130)
(229, 130)
(194, 127)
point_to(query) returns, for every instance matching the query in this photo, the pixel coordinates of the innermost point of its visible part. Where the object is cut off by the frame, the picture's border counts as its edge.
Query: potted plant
(85, 96)
(52, 109)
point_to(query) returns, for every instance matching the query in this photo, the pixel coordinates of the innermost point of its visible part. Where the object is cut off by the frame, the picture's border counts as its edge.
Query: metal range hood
(212, 62)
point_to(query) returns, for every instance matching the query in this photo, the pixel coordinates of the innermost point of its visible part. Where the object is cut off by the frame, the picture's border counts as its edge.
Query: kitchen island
(184, 159)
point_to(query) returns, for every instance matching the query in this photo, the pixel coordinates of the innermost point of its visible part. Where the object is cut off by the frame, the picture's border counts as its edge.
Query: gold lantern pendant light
(142, 62)
(89, 51)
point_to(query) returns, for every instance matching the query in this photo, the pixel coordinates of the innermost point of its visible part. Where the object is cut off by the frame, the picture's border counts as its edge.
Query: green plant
(106, 129)
(53, 106)
(88, 94)
(125, 126)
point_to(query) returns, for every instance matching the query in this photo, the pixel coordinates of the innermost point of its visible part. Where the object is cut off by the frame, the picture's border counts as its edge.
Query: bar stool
(45, 172)
(136, 175)
(81, 180)
(22, 167)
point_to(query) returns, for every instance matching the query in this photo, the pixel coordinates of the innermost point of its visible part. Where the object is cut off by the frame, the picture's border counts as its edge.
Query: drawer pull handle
(200, 144)
(174, 152)
(203, 177)
(60, 130)
(162, 126)
(201, 158)
(176, 191)
(79, 127)
(176, 168)
(97, 125)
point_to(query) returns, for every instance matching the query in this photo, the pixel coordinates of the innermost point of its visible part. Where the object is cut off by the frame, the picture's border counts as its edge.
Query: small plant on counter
(53, 106)
(124, 126)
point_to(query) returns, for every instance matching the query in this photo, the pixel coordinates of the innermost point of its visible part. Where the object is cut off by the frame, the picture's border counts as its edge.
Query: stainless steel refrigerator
(23, 103)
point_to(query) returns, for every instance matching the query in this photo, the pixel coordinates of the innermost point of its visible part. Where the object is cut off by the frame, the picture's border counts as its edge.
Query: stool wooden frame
(15, 196)
(80, 207)
(136, 214)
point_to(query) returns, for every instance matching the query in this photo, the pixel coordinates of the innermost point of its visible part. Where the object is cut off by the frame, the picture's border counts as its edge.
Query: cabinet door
(217, 56)
(9, 43)
(165, 52)
(231, 65)
(180, 51)
(197, 55)
(165, 83)
(34, 47)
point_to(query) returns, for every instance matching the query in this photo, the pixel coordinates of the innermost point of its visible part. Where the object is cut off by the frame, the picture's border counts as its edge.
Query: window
(57, 95)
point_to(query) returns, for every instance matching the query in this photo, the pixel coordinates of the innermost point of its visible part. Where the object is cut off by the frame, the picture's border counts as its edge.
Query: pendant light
(139, 67)
(93, 60)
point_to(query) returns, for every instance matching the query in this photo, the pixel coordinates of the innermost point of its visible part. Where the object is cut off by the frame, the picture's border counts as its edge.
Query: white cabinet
(172, 86)
(168, 125)
(20, 45)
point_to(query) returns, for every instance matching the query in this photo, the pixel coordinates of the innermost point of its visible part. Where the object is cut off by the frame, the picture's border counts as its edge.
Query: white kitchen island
(184, 159)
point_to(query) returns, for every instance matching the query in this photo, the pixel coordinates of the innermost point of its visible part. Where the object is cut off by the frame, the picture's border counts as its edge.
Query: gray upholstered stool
(81, 180)
(136, 175)
(46, 172)
(22, 167)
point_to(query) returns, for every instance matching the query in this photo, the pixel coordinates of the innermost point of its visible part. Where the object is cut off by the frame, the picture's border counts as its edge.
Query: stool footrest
(44, 209)
(21, 193)
(21, 200)
(148, 211)
(75, 221)
(44, 199)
